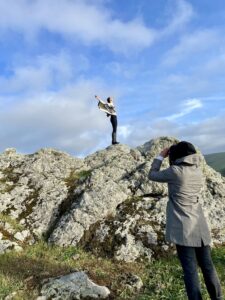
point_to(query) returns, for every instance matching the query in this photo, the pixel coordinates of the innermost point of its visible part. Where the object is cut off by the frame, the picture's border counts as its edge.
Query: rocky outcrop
(103, 202)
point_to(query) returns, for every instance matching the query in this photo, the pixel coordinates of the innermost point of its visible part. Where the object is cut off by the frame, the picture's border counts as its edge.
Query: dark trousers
(190, 258)
(113, 120)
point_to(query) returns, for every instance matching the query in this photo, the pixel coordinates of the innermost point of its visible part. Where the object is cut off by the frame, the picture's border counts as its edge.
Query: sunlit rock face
(104, 202)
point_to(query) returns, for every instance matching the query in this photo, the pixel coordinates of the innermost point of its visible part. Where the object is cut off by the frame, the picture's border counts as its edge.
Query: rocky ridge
(103, 202)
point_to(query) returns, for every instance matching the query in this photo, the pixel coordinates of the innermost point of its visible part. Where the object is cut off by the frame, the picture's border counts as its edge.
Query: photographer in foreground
(186, 226)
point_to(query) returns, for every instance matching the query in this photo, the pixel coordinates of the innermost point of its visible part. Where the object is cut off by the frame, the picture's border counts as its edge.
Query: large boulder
(104, 202)
(34, 188)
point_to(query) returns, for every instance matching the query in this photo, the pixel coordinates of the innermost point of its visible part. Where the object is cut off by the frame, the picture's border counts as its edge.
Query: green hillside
(216, 161)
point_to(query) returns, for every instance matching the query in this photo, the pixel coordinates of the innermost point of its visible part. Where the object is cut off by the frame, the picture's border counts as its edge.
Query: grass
(14, 223)
(216, 161)
(164, 278)
(23, 272)
(26, 270)
(72, 180)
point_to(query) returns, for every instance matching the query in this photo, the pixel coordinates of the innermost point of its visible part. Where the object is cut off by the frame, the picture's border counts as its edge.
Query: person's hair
(179, 150)
(108, 99)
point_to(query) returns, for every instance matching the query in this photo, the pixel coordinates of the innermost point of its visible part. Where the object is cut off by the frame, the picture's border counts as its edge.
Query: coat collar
(193, 159)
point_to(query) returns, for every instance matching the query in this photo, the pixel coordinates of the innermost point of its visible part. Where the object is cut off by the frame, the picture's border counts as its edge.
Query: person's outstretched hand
(165, 152)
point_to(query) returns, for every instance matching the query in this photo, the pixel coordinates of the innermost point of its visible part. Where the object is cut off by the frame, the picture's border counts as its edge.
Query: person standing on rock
(186, 225)
(110, 111)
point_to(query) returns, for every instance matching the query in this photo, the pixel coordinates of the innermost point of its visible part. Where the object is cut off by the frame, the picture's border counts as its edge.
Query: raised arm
(99, 99)
(155, 174)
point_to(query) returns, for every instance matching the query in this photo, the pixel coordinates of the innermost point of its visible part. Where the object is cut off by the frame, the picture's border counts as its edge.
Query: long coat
(185, 221)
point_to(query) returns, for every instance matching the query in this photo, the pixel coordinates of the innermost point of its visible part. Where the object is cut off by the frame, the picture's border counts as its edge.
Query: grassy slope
(216, 161)
(162, 278)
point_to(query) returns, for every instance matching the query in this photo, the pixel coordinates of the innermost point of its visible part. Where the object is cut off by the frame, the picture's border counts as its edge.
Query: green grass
(14, 223)
(162, 278)
(216, 161)
(72, 180)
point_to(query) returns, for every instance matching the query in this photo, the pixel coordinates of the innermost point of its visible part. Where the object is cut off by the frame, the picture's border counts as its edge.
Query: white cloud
(84, 20)
(124, 131)
(207, 135)
(67, 120)
(70, 121)
(91, 22)
(42, 72)
(190, 44)
(187, 107)
(36, 115)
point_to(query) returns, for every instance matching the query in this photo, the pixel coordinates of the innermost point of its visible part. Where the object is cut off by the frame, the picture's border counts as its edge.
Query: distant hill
(216, 161)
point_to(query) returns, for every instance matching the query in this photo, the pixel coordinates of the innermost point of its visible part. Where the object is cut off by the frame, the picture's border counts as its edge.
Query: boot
(114, 142)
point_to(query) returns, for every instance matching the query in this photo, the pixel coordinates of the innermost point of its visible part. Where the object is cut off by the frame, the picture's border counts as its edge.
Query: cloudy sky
(163, 62)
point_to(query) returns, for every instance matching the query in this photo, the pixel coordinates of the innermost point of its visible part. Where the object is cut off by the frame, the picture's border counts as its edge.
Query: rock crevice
(104, 202)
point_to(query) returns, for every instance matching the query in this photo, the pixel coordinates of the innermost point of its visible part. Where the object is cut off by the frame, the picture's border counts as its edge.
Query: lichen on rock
(104, 202)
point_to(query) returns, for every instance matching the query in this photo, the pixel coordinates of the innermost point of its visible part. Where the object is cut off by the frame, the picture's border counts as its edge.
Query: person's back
(186, 225)
(188, 180)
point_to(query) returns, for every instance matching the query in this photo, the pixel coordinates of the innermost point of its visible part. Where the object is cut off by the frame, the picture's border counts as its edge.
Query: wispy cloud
(182, 13)
(197, 42)
(187, 107)
(213, 98)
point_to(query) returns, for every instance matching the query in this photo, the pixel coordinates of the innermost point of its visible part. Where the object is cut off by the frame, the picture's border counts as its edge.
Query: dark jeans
(190, 258)
(113, 120)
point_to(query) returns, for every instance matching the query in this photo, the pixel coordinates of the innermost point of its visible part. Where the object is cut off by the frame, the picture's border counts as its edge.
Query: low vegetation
(216, 161)
(12, 222)
(23, 272)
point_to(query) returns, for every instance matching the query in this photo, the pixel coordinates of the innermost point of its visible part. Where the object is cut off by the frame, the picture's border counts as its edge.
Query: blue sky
(163, 62)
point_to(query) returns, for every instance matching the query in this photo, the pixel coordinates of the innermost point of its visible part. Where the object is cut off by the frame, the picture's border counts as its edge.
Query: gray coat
(185, 221)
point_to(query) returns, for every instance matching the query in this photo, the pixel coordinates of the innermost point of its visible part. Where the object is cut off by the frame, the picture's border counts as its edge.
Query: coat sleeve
(168, 175)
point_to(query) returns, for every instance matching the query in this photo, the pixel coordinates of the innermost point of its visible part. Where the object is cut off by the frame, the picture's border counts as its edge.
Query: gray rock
(104, 202)
(73, 286)
(34, 188)
(21, 236)
(7, 245)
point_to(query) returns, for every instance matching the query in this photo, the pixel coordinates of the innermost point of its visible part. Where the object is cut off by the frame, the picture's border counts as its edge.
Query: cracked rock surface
(103, 202)
(73, 286)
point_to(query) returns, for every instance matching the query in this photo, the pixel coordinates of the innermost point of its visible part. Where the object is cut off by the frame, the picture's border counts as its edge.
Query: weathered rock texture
(104, 202)
(73, 286)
